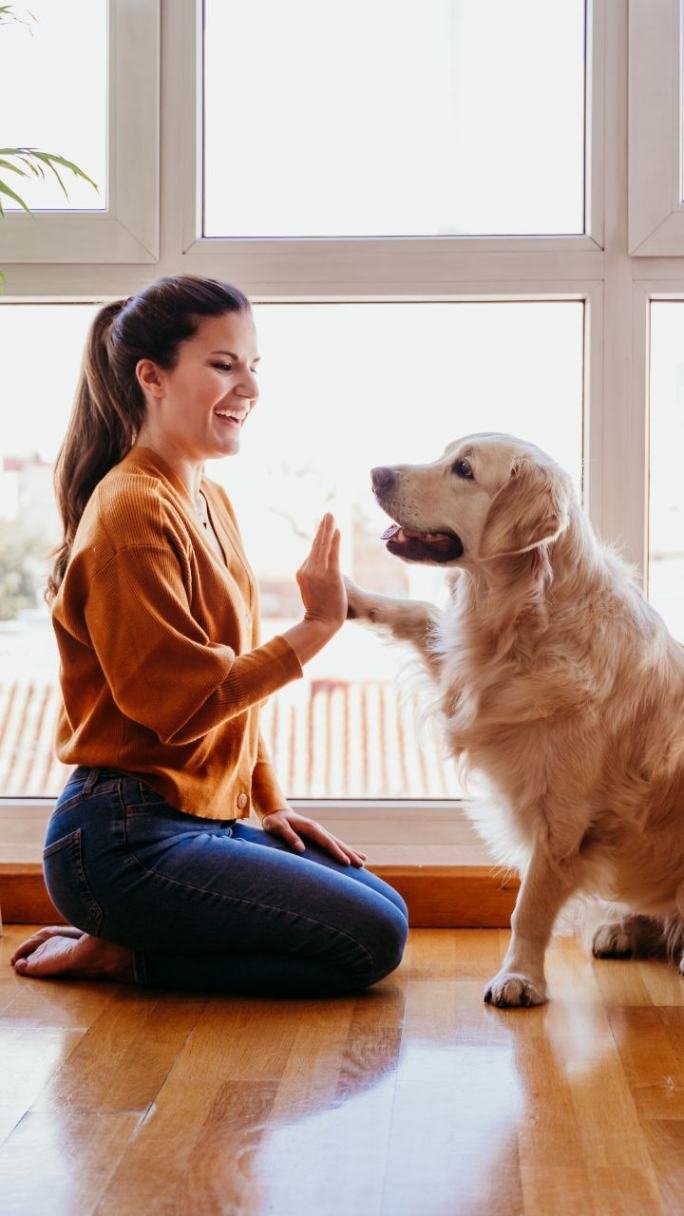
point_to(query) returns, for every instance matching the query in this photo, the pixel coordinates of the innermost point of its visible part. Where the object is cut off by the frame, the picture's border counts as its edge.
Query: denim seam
(139, 968)
(254, 903)
(73, 843)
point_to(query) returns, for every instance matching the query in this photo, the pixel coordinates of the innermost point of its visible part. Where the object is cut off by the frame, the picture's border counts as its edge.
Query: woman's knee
(386, 944)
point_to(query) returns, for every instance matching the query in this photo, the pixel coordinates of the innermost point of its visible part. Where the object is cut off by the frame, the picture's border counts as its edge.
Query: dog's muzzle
(438, 545)
(422, 546)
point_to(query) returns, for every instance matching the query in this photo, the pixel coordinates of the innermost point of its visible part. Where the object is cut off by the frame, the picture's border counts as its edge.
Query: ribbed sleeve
(161, 667)
(266, 792)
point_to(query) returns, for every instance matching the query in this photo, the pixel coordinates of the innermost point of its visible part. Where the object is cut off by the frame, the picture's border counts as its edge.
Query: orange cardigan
(162, 673)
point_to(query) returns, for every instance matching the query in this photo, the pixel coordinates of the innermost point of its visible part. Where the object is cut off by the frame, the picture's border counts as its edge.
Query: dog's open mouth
(422, 546)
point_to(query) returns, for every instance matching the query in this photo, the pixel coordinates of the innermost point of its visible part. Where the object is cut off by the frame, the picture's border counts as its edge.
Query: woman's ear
(531, 509)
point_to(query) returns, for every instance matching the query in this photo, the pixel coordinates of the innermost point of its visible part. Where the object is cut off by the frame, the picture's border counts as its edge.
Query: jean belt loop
(91, 780)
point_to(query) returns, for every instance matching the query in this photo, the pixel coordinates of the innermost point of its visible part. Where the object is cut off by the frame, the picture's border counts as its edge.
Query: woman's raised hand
(319, 578)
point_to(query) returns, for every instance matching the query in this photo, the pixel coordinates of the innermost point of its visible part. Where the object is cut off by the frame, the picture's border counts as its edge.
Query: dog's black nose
(383, 479)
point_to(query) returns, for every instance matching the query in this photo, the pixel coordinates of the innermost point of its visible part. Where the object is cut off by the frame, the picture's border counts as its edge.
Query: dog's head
(487, 496)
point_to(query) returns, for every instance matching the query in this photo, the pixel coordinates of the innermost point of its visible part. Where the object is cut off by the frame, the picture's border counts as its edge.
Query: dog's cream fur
(559, 683)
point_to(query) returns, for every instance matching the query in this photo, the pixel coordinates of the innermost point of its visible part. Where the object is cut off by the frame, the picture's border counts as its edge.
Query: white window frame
(365, 262)
(128, 229)
(656, 210)
(598, 268)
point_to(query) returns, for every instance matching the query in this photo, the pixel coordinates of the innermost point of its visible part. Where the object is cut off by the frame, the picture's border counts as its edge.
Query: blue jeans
(214, 904)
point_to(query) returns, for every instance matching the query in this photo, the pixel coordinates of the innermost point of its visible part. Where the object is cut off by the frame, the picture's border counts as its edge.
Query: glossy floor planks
(415, 1099)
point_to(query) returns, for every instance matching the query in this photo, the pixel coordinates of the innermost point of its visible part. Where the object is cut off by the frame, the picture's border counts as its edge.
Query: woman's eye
(228, 367)
(463, 469)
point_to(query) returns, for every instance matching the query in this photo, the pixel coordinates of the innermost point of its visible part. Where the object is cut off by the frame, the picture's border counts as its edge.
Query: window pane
(395, 118)
(343, 387)
(29, 527)
(53, 97)
(666, 556)
(682, 101)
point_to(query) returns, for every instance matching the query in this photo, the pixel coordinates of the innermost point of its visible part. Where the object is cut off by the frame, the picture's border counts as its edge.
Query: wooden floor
(415, 1099)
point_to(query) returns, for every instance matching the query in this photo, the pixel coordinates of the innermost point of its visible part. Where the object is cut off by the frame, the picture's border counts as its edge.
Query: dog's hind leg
(631, 937)
(413, 621)
(544, 890)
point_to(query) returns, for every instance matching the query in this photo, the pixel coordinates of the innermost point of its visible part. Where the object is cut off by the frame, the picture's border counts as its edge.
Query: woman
(156, 614)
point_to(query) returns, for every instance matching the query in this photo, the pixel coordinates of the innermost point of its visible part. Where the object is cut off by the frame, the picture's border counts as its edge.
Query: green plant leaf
(49, 157)
(46, 161)
(7, 17)
(5, 189)
(7, 164)
(29, 155)
(37, 170)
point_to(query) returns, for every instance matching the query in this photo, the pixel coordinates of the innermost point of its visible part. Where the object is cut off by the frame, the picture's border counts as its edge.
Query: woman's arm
(162, 668)
(267, 794)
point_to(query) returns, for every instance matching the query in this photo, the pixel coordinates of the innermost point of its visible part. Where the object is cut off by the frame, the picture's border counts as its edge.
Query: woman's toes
(30, 944)
(50, 957)
(84, 957)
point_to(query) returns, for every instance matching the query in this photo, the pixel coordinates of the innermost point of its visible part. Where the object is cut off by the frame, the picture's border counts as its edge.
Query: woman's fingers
(281, 827)
(328, 540)
(294, 841)
(342, 852)
(355, 852)
(334, 551)
(314, 831)
(321, 542)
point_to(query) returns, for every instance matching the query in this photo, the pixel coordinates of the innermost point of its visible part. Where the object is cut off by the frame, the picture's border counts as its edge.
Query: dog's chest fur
(559, 725)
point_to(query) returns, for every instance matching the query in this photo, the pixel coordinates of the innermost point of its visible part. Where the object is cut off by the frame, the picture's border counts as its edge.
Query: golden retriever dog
(557, 682)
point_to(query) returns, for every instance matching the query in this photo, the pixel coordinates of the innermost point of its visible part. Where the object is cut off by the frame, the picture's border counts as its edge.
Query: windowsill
(406, 833)
(427, 851)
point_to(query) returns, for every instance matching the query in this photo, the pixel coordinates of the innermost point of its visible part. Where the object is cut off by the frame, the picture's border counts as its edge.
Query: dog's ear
(531, 509)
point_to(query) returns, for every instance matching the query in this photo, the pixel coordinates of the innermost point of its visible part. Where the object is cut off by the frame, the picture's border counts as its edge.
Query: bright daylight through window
(666, 549)
(394, 118)
(47, 52)
(344, 387)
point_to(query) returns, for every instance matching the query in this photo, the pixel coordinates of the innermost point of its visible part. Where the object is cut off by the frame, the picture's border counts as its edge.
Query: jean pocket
(70, 796)
(67, 884)
(136, 796)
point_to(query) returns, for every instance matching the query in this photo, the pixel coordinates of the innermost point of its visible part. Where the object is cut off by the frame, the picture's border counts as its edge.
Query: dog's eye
(462, 469)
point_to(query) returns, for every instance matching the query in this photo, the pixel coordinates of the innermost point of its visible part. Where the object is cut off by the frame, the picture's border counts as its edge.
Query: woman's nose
(249, 388)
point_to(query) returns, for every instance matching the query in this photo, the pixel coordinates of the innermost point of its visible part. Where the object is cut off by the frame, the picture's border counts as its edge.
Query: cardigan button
(242, 800)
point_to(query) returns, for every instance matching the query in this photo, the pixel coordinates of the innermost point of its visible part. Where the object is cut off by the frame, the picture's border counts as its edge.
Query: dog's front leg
(413, 621)
(521, 980)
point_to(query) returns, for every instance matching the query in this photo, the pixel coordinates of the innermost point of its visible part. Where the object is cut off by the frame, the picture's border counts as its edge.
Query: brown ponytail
(109, 406)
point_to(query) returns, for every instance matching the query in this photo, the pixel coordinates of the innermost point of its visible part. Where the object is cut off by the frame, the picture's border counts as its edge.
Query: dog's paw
(612, 941)
(358, 600)
(352, 597)
(509, 989)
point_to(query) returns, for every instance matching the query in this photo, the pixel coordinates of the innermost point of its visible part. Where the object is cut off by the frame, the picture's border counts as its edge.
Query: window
(348, 729)
(530, 282)
(666, 549)
(100, 110)
(29, 527)
(393, 118)
(656, 205)
(47, 51)
(446, 149)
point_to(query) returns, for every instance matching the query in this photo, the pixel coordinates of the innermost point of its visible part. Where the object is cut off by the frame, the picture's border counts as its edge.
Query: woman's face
(214, 376)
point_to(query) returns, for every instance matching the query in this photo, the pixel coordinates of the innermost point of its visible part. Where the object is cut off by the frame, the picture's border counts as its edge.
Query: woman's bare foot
(64, 950)
(30, 943)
